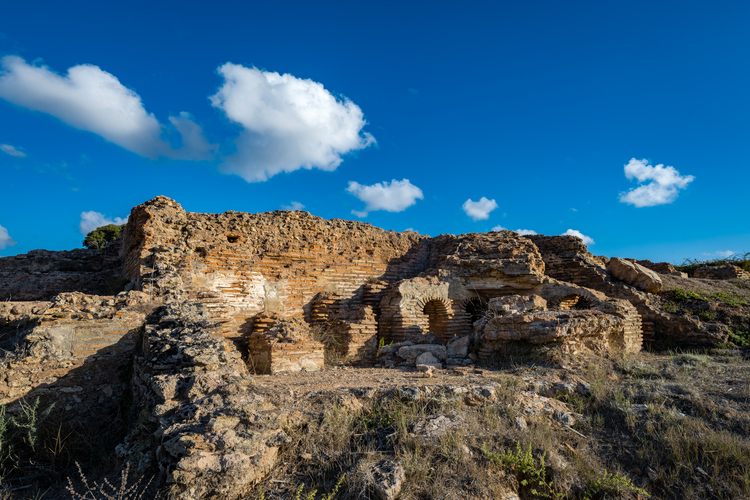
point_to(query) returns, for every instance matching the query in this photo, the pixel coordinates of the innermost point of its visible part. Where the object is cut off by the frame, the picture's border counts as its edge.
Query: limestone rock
(635, 274)
(552, 326)
(431, 430)
(518, 303)
(458, 347)
(662, 268)
(388, 477)
(410, 353)
(480, 396)
(427, 359)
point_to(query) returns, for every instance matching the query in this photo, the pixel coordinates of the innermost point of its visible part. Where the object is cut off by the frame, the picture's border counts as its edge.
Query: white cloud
(586, 239)
(394, 196)
(664, 187)
(92, 220)
(5, 239)
(295, 205)
(7, 148)
(479, 210)
(526, 232)
(499, 228)
(721, 253)
(91, 99)
(289, 123)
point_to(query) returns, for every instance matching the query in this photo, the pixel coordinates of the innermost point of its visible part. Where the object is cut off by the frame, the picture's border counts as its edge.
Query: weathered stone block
(635, 275)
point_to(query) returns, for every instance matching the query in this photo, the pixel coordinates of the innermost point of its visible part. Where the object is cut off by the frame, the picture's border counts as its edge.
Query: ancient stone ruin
(208, 300)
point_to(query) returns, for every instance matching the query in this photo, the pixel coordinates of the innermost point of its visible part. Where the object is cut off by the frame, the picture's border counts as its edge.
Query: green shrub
(100, 236)
(522, 463)
(740, 338)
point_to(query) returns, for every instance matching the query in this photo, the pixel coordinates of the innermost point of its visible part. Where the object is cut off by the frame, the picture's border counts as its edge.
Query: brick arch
(438, 317)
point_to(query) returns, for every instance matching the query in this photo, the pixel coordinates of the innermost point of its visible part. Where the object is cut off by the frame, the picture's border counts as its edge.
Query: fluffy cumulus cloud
(295, 205)
(5, 239)
(7, 148)
(479, 210)
(92, 220)
(586, 239)
(394, 196)
(91, 99)
(659, 185)
(288, 123)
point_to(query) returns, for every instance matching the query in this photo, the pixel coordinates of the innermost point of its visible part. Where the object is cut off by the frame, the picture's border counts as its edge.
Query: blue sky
(440, 117)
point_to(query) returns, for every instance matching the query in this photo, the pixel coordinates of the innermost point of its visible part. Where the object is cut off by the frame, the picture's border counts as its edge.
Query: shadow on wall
(75, 411)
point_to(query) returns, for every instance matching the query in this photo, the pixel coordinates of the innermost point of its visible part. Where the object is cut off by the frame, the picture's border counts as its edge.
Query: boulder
(458, 347)
(635, 275)
(427, 359)
(410, 353)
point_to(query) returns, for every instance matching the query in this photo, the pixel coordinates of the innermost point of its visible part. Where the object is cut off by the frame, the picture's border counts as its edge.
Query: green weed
(522, 462)
(612, 483)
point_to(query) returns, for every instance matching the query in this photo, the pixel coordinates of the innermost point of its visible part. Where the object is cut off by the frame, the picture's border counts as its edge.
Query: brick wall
(240, 264)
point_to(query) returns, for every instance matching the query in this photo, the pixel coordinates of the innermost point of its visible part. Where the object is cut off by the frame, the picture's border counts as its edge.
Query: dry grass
(656, 425)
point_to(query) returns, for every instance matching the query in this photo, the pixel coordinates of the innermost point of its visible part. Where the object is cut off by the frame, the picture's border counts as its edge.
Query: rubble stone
(388, 477)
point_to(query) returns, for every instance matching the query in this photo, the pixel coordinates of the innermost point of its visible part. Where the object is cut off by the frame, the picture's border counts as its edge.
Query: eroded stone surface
(635, 274)
(388, 477)
(216, 436)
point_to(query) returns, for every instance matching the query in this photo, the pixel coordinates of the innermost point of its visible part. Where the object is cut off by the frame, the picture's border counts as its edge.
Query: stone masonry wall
(42, 274)
(239, 265)
(70, 352)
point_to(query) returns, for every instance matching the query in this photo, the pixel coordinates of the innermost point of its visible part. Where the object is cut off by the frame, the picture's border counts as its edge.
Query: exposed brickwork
(240, 265)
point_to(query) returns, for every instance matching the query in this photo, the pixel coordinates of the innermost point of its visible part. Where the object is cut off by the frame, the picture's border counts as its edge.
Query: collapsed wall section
(71, 353)
(568, 259)
(563, 314)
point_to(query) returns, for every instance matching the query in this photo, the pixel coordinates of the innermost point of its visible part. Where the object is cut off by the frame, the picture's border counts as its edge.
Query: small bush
(740, 338)
(106, 491)
(612, 483)
(99, 237)
(730, 299)
(19, 435)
